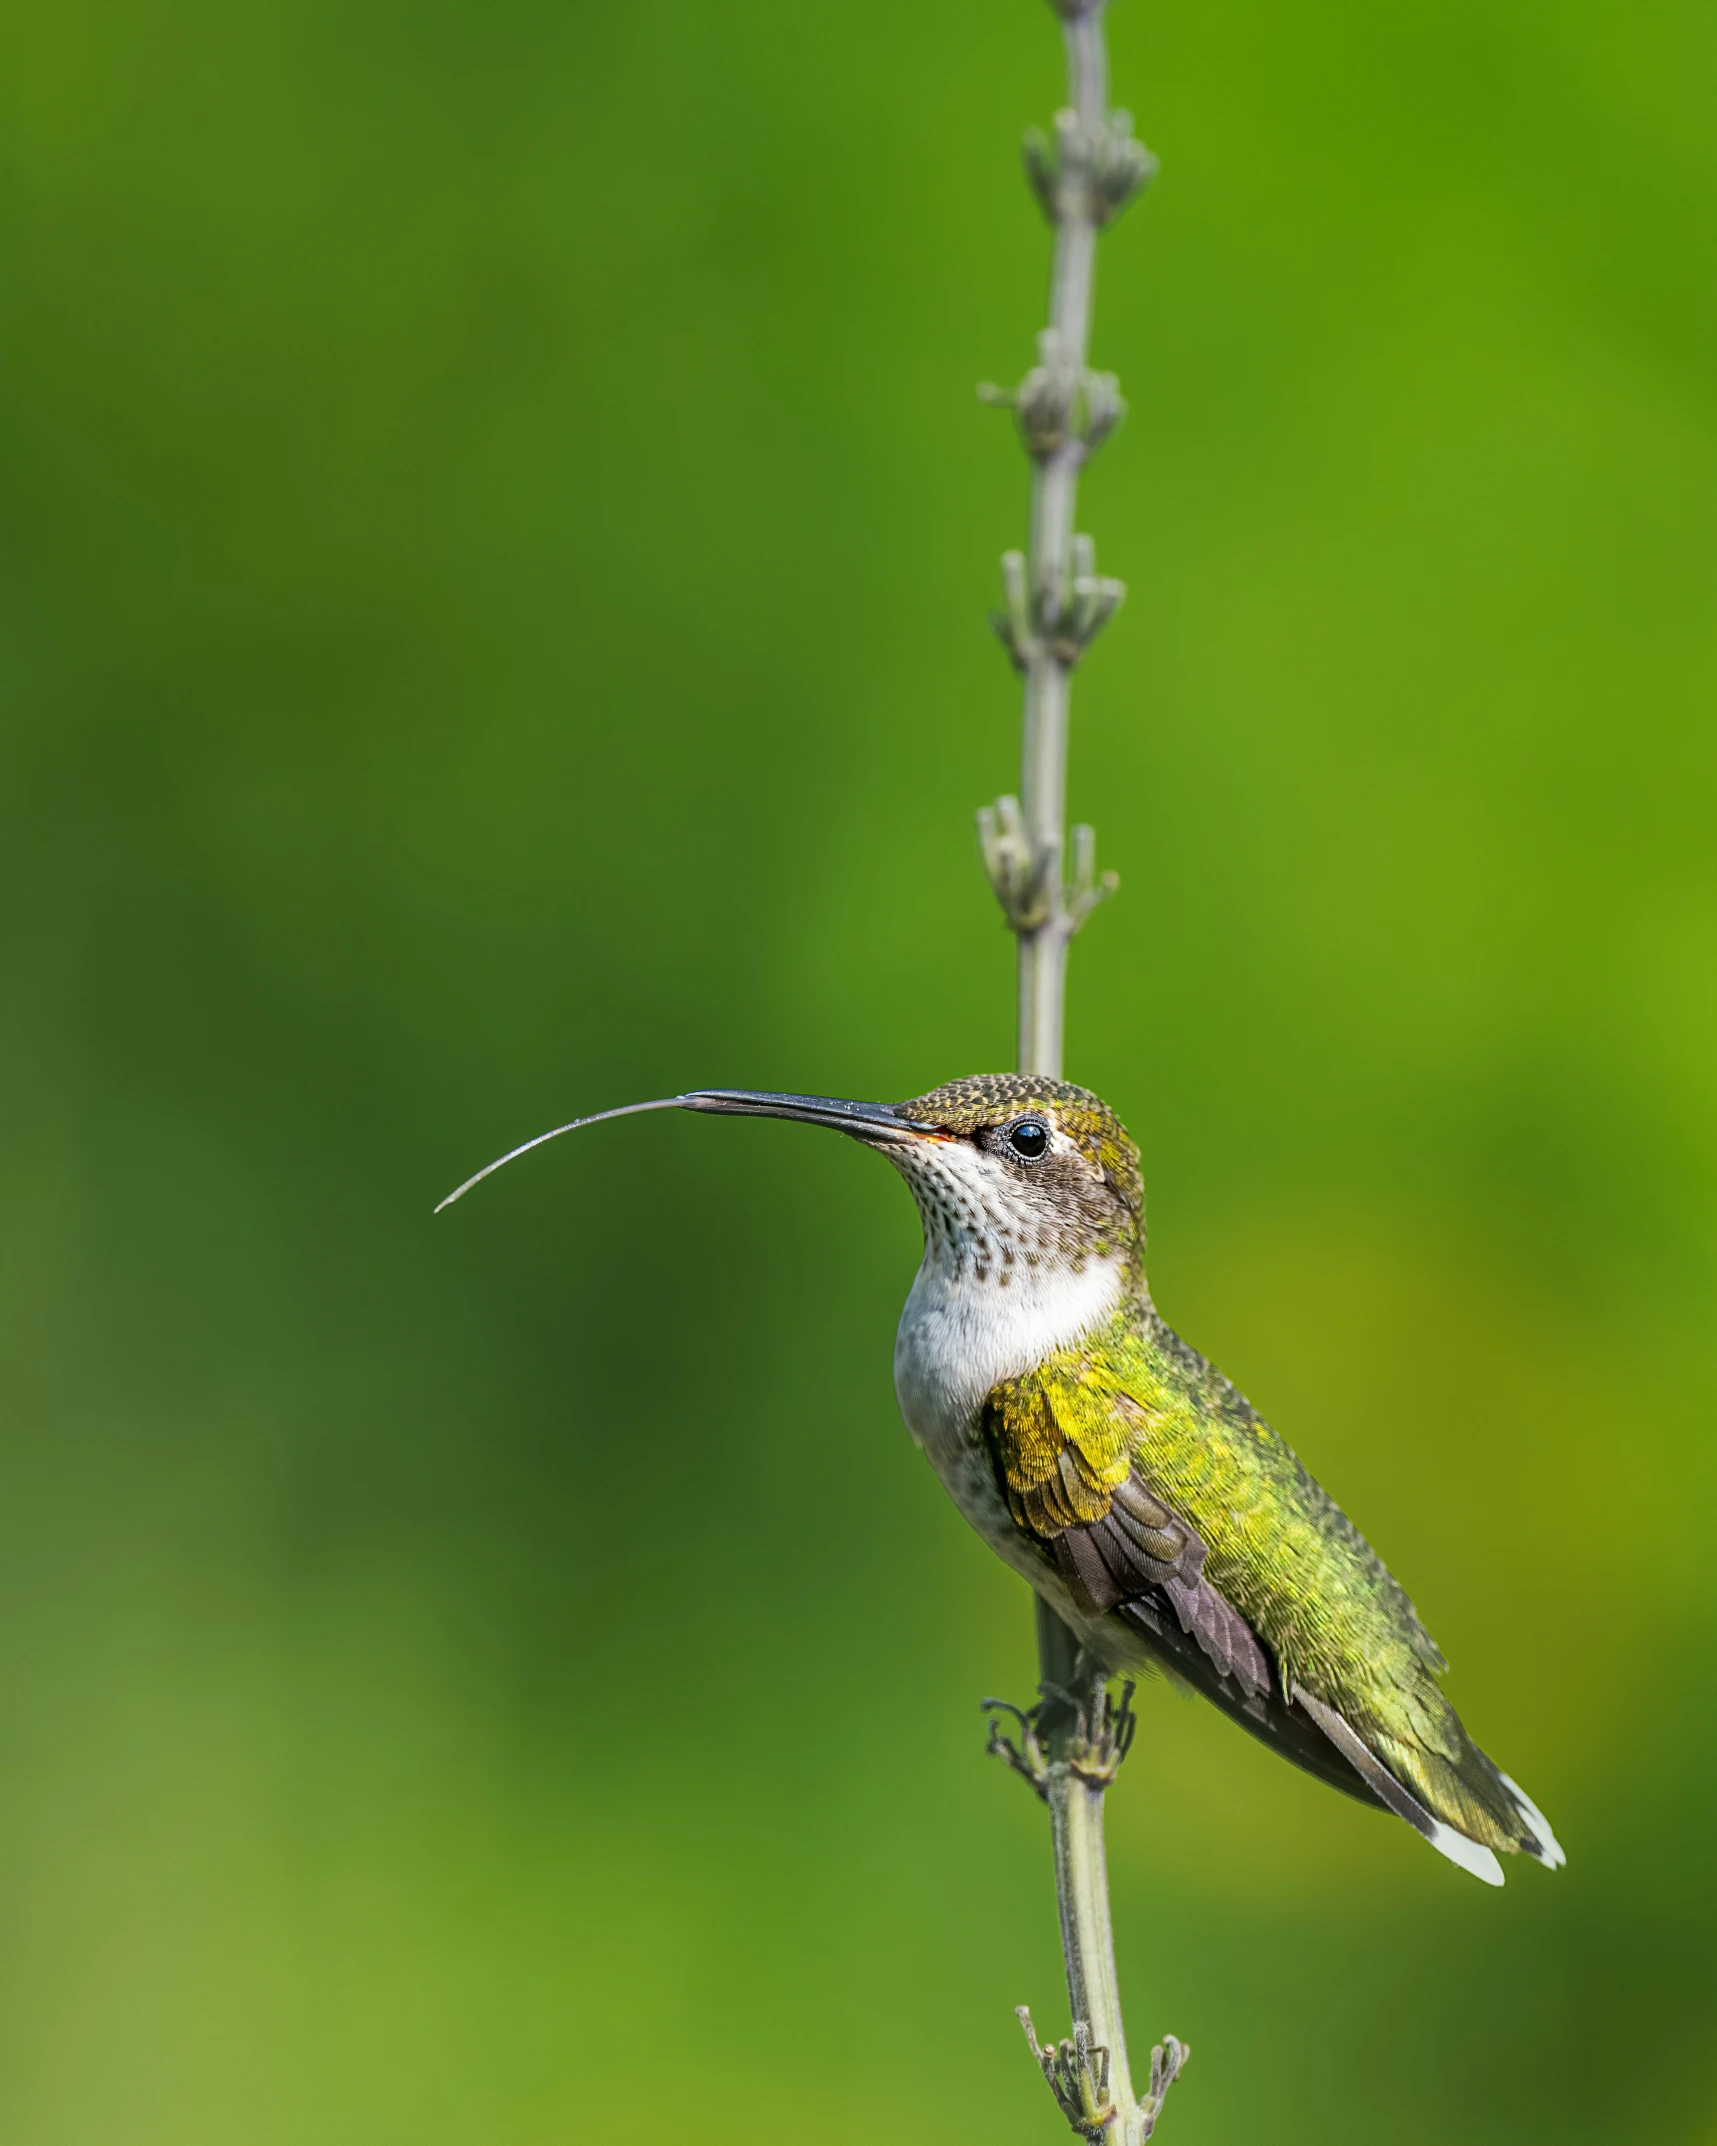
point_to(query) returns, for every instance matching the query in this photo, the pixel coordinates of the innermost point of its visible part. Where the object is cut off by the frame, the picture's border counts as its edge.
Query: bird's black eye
(1029, 1138)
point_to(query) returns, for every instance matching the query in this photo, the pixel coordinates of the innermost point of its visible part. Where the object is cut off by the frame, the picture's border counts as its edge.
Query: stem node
(1094, 168)
(1060, 408)
(1077, 2072)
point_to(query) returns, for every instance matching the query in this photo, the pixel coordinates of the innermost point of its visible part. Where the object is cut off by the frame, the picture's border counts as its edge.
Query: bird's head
(1009, 1171)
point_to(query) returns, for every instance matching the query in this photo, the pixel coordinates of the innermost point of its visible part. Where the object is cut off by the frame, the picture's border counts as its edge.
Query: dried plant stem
(1081, 1868)
(1072, 1743)
(1054, 491)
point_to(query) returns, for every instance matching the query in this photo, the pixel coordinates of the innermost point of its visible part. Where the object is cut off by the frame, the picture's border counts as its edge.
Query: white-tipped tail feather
(1549, 1849)
(1470, 1854)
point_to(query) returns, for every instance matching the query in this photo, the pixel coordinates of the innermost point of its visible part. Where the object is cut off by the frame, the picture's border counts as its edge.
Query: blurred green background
(497, 533)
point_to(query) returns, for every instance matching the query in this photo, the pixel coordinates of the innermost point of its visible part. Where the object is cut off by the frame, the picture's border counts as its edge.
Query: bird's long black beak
(874, 1123)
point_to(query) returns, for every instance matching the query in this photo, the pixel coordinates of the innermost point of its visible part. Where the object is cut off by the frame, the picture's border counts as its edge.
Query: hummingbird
(1122, 1476)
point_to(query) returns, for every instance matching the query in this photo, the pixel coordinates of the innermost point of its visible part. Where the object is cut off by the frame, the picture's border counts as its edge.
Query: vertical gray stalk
(1073, 1741)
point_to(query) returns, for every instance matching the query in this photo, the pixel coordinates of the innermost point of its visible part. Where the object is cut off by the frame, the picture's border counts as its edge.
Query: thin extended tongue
(865, 1121)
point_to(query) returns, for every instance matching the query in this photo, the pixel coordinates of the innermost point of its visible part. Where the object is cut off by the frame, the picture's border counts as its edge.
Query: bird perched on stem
(1123, 1476)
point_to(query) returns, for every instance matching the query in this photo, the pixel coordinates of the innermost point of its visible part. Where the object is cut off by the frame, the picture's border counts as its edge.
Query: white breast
(959, 1337)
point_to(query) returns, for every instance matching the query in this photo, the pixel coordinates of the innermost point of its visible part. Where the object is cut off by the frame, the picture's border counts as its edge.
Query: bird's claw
(1103, 1735)
(1027, 1756)
(1099, 1733)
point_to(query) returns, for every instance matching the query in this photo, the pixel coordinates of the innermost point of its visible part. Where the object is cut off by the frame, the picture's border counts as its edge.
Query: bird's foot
(1027, 1757)
(1104, 1735)
(1087, 1731)
(1100, 1728)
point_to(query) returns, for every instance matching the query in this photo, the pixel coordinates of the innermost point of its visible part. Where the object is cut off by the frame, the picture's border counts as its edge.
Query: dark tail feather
(1288, 1731)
